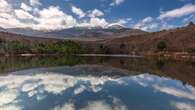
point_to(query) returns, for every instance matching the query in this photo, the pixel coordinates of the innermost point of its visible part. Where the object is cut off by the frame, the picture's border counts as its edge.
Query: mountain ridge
(78, 32)
(176, 40)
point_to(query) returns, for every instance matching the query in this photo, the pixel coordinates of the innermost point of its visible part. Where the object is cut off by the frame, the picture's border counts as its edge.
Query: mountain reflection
(111, 89)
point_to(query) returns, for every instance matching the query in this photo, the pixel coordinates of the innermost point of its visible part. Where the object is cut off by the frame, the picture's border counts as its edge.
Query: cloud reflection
(40, 86)
(166, 85)
(184, 106)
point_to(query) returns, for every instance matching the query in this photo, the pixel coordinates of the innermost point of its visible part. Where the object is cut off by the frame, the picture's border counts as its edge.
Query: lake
(96, 83)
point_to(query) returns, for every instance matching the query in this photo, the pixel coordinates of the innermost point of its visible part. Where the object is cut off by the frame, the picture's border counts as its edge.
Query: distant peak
(116, 26)
(191, 23)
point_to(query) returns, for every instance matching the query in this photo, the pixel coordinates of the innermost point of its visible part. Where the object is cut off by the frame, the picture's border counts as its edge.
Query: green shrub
(61, 47)
(161, 46)
(191, 50)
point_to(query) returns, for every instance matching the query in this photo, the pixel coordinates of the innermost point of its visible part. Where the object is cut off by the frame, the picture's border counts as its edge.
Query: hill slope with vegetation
(13, 44)
(174, 40)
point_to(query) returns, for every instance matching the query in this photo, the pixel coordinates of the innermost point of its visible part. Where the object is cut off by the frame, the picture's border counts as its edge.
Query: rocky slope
(176, 40)
(79, 32)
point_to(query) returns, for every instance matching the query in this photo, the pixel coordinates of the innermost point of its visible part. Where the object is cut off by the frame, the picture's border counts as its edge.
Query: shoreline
(111, 55)
(178, 56)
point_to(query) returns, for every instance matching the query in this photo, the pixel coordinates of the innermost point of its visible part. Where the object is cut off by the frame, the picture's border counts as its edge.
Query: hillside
(114, 31)
(24, 39)
(176, 40)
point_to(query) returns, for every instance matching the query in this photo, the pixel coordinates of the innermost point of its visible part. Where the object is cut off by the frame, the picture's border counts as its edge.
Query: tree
(122, 45)
(161, 46)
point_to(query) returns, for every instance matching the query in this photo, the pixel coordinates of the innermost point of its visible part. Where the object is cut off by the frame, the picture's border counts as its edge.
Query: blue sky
(148, 15)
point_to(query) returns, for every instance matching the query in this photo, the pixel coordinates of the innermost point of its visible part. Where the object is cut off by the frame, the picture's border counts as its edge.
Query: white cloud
(96, 13)
(94, 105)
(161, 84)
(117, 2)
(11, 107)
(49, 18)
(152, 24)
(184, 106)
(53, 18)
(189, 18)
(94, 22)
(21, 14)
(79, 90)
(180, 12)
(4, 6)
(175, 92)
(101, 105)
(97, 22)
(26, 7)
(8, 96)
(121, 22)
(28, 14)
(67, 106)
(146, 24)
(34, 2)
(78, 12)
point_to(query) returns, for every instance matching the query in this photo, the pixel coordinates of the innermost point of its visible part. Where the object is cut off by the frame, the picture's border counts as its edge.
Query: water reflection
(52, 89)
(183, 71)
(95, 83)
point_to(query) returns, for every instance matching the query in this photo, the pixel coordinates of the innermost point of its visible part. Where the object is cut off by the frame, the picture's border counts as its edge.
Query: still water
(95, 83)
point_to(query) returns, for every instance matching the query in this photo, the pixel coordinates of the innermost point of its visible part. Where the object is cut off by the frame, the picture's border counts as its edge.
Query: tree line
(60, 47)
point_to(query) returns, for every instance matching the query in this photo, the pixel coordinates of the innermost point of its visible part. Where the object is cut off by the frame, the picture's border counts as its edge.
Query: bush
(161, 46)
(191, 50)
(16, 47)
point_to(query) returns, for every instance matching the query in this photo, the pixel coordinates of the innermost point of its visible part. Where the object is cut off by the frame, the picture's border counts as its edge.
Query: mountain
(25, 31)
(2, 30)
(25, 39)
(79, 32)
(176, 40)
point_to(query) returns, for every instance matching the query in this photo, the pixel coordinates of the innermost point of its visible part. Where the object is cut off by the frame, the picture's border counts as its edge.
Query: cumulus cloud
(161, 84)
(101, 105)
(96, 13)
(8, 97)
(94, 105)
(26, 7)
(189, 18)
(161, 22)
(30, 15)
(36, 85)
(11, 107)
(146, 24)
(68, 106)
(21, 14)
(152, 24)
(96, 22)
(49, 18)
(184, 106)
(52, 18)
(4, 6)
(35, 2)
(121, 22)
(180, 12)
(175, 92)
(117, 2)
(78, 11)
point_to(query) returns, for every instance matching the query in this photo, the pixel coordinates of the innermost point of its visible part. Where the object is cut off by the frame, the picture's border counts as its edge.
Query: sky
(147, 15)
